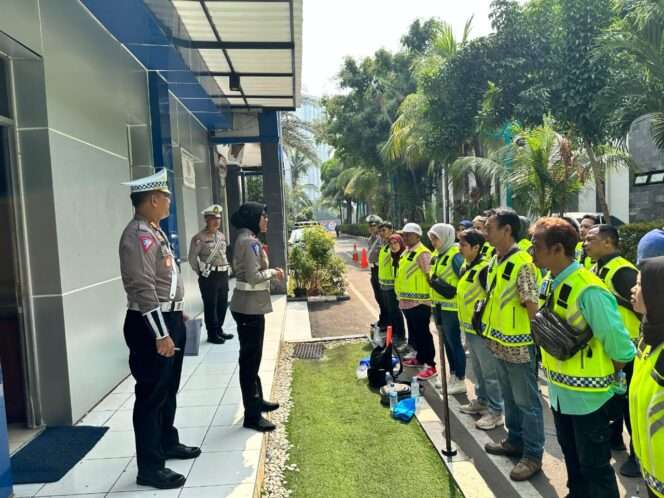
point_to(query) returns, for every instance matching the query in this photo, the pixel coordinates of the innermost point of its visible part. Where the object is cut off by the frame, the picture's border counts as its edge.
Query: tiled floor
(209, 415)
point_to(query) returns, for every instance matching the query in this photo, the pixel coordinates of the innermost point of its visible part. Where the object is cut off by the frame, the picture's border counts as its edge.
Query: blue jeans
(487, 387)
(524, 419)
(447, 323)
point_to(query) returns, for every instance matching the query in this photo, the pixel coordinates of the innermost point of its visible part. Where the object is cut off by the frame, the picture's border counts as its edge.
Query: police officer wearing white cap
(375, 244)
(207, 257)
(154, 332)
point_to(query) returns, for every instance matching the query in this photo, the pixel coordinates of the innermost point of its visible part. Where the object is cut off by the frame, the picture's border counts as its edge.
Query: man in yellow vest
(647, 393)
(619, 275)
(587, 222)
(512, 301)
(386, 277)
(479, 224)
(582, 388)
(414, 294)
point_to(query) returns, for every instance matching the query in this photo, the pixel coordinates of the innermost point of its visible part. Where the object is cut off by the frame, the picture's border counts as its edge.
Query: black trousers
(251, 332)
(214, 291)
(375, 286)
(394, 315)
(419, 333)
(157, 384)
(585, 441)
(622, 413)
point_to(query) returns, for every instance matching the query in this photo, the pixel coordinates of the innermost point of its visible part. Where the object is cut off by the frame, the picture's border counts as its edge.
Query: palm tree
(640, 35)
(298, 137)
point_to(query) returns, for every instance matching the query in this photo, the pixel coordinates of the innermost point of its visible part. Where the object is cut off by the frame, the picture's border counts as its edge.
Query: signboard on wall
(188, 170)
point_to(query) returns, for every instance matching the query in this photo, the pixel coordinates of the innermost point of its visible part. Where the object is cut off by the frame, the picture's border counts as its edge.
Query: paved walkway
(209, 414)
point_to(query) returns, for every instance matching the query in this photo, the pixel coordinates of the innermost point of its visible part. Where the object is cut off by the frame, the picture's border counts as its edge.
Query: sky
(334, 29)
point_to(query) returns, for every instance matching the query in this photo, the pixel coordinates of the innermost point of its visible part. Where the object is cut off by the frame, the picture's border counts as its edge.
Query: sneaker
(503, 448)
(525, 469)
(475, 407)
(456, 385)
(427, 373)
(490, 421)
(412, 362)
(410, 355)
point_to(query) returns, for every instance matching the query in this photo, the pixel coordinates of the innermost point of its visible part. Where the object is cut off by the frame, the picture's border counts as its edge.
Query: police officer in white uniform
(250, 302)
(154, 332)
(207, 257)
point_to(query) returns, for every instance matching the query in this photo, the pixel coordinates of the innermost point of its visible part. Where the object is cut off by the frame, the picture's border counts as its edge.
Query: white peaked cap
(412, 228)
(214, 210)
(158, 181)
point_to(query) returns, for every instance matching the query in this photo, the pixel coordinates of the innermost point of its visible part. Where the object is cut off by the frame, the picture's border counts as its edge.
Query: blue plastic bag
(405, 410)
(364, 362)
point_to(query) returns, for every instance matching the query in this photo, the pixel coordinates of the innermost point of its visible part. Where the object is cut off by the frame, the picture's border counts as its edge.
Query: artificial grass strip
(346, 445)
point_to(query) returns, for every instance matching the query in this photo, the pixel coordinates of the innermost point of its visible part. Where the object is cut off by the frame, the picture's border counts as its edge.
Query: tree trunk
(600, 180)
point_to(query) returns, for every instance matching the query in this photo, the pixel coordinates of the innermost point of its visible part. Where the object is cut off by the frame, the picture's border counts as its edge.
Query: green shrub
(314, 266)
(630, 235)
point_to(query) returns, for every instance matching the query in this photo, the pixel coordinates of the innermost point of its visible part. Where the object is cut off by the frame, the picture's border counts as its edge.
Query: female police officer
(250, 302)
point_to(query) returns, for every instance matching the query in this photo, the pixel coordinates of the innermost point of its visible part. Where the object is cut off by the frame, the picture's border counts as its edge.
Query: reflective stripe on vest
(608, 271)
(506, 319)
(646, 407)
(411, 282)
(591, 369)
(441, 267)
(386, 270)
(469, 291)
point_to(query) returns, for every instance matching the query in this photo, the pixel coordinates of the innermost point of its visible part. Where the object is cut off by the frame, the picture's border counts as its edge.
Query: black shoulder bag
(553, 334)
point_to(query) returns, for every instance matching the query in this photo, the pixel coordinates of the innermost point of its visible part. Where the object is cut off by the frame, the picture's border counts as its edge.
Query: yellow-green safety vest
(587, 263)
(386, 270)
(646, 408)
(524, 244)
(590, 369)
(441, 267)
(506, 320)
(469, 291)
(411, 283)
(487, 251)
(606, 274)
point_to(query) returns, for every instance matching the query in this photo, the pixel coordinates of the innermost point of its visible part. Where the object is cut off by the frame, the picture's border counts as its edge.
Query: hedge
(630, 234)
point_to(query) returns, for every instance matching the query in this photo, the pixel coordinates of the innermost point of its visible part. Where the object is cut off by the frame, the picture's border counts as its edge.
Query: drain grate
(308, 350)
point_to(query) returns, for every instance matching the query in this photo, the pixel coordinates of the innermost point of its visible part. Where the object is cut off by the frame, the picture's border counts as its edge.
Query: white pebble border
(277, 451)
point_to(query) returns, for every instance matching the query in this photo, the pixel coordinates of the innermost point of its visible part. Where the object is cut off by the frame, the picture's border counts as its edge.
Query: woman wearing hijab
(444, 276)
(646, 394)
(396, 247)
(250, 302)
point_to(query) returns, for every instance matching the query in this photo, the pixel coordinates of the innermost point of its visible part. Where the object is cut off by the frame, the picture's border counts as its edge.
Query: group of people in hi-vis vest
(489, 278)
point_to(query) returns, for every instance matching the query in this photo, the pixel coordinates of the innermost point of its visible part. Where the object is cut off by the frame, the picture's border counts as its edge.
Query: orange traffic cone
(365, 262)
(355, 258)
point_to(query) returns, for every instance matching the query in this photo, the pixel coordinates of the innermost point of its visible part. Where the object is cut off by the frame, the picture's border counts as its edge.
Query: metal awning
(257, 41)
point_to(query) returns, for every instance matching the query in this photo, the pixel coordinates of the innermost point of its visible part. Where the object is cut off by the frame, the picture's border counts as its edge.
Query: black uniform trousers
(250, 332)
(214, 291)
(375, 286)
(585, 441)
(419, 333)
(157, 384)
(394, 315)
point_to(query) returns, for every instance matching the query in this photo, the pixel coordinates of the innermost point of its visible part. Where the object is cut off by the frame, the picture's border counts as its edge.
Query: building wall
(84, 128)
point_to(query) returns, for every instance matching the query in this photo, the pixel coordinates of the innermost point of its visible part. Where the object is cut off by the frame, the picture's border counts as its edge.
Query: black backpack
(380, 363)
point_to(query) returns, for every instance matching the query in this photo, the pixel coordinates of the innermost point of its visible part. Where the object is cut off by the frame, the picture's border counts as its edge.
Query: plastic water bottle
(620, 382)
(415, 390)
(394, 398)
(388, 379)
